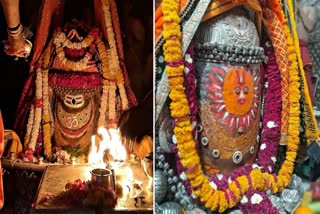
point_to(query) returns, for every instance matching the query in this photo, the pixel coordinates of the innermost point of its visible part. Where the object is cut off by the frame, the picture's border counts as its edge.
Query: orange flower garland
(311, 127)
(216, 199)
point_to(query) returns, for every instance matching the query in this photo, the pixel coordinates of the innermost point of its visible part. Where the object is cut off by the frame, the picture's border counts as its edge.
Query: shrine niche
(232, 107)
(78, 80)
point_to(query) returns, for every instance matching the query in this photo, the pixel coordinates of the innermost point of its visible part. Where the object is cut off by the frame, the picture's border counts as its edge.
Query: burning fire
(110, 144)
(129, 174)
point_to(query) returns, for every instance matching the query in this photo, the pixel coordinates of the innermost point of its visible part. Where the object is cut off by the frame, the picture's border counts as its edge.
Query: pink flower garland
(271, 123)
(257, 203)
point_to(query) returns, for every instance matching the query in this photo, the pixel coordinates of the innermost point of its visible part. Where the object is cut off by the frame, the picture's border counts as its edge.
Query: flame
(110, 143)
(92, 157)
(129, 173)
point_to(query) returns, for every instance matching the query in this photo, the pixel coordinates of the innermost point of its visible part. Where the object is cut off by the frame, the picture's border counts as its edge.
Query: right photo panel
(236, 106)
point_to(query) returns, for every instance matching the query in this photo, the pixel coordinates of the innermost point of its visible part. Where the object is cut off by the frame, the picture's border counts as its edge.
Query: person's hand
(144, 147)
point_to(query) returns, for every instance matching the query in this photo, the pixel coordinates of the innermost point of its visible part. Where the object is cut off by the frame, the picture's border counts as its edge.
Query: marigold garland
(258, 180)
(29, 126)
(38, 111)
(46, 118)
(65, 41)
(112, 102)
(61, 41)
(114, 63)
(311, 127)
(103, 106)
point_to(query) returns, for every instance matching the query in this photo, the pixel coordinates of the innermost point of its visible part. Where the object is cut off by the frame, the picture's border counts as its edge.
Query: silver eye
(215, 153)
(204, 141)
(237, 157)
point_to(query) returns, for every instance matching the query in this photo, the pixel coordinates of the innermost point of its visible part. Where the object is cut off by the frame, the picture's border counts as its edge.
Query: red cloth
(307, 65)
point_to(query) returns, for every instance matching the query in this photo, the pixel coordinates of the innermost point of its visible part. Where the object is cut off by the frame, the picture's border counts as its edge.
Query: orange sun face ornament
(228, 57)
(234, 96)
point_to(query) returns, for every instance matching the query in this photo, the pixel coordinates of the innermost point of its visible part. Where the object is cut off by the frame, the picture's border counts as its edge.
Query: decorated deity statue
(227, 97)
(78, 81)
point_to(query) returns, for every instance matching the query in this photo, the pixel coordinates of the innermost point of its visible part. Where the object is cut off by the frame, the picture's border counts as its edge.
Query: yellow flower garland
(312, 129)
(46, 125)
(216, 199)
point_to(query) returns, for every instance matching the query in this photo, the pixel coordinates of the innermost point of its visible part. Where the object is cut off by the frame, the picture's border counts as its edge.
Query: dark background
(137, 31)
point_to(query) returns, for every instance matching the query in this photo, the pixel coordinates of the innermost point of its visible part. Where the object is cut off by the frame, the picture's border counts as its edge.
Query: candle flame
(110, 143)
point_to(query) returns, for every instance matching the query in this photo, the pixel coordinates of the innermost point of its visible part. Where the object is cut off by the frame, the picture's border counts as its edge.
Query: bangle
(14, 28)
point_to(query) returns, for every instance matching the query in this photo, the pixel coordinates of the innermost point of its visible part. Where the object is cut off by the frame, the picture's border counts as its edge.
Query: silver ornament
(160, 186)
(291, 199)
(170, 208)
(165, 135)
(276, 201)
(296, 183)
(237, 211)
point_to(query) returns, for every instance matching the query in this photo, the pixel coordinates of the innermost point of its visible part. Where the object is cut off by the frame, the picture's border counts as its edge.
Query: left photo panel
(76, 106)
